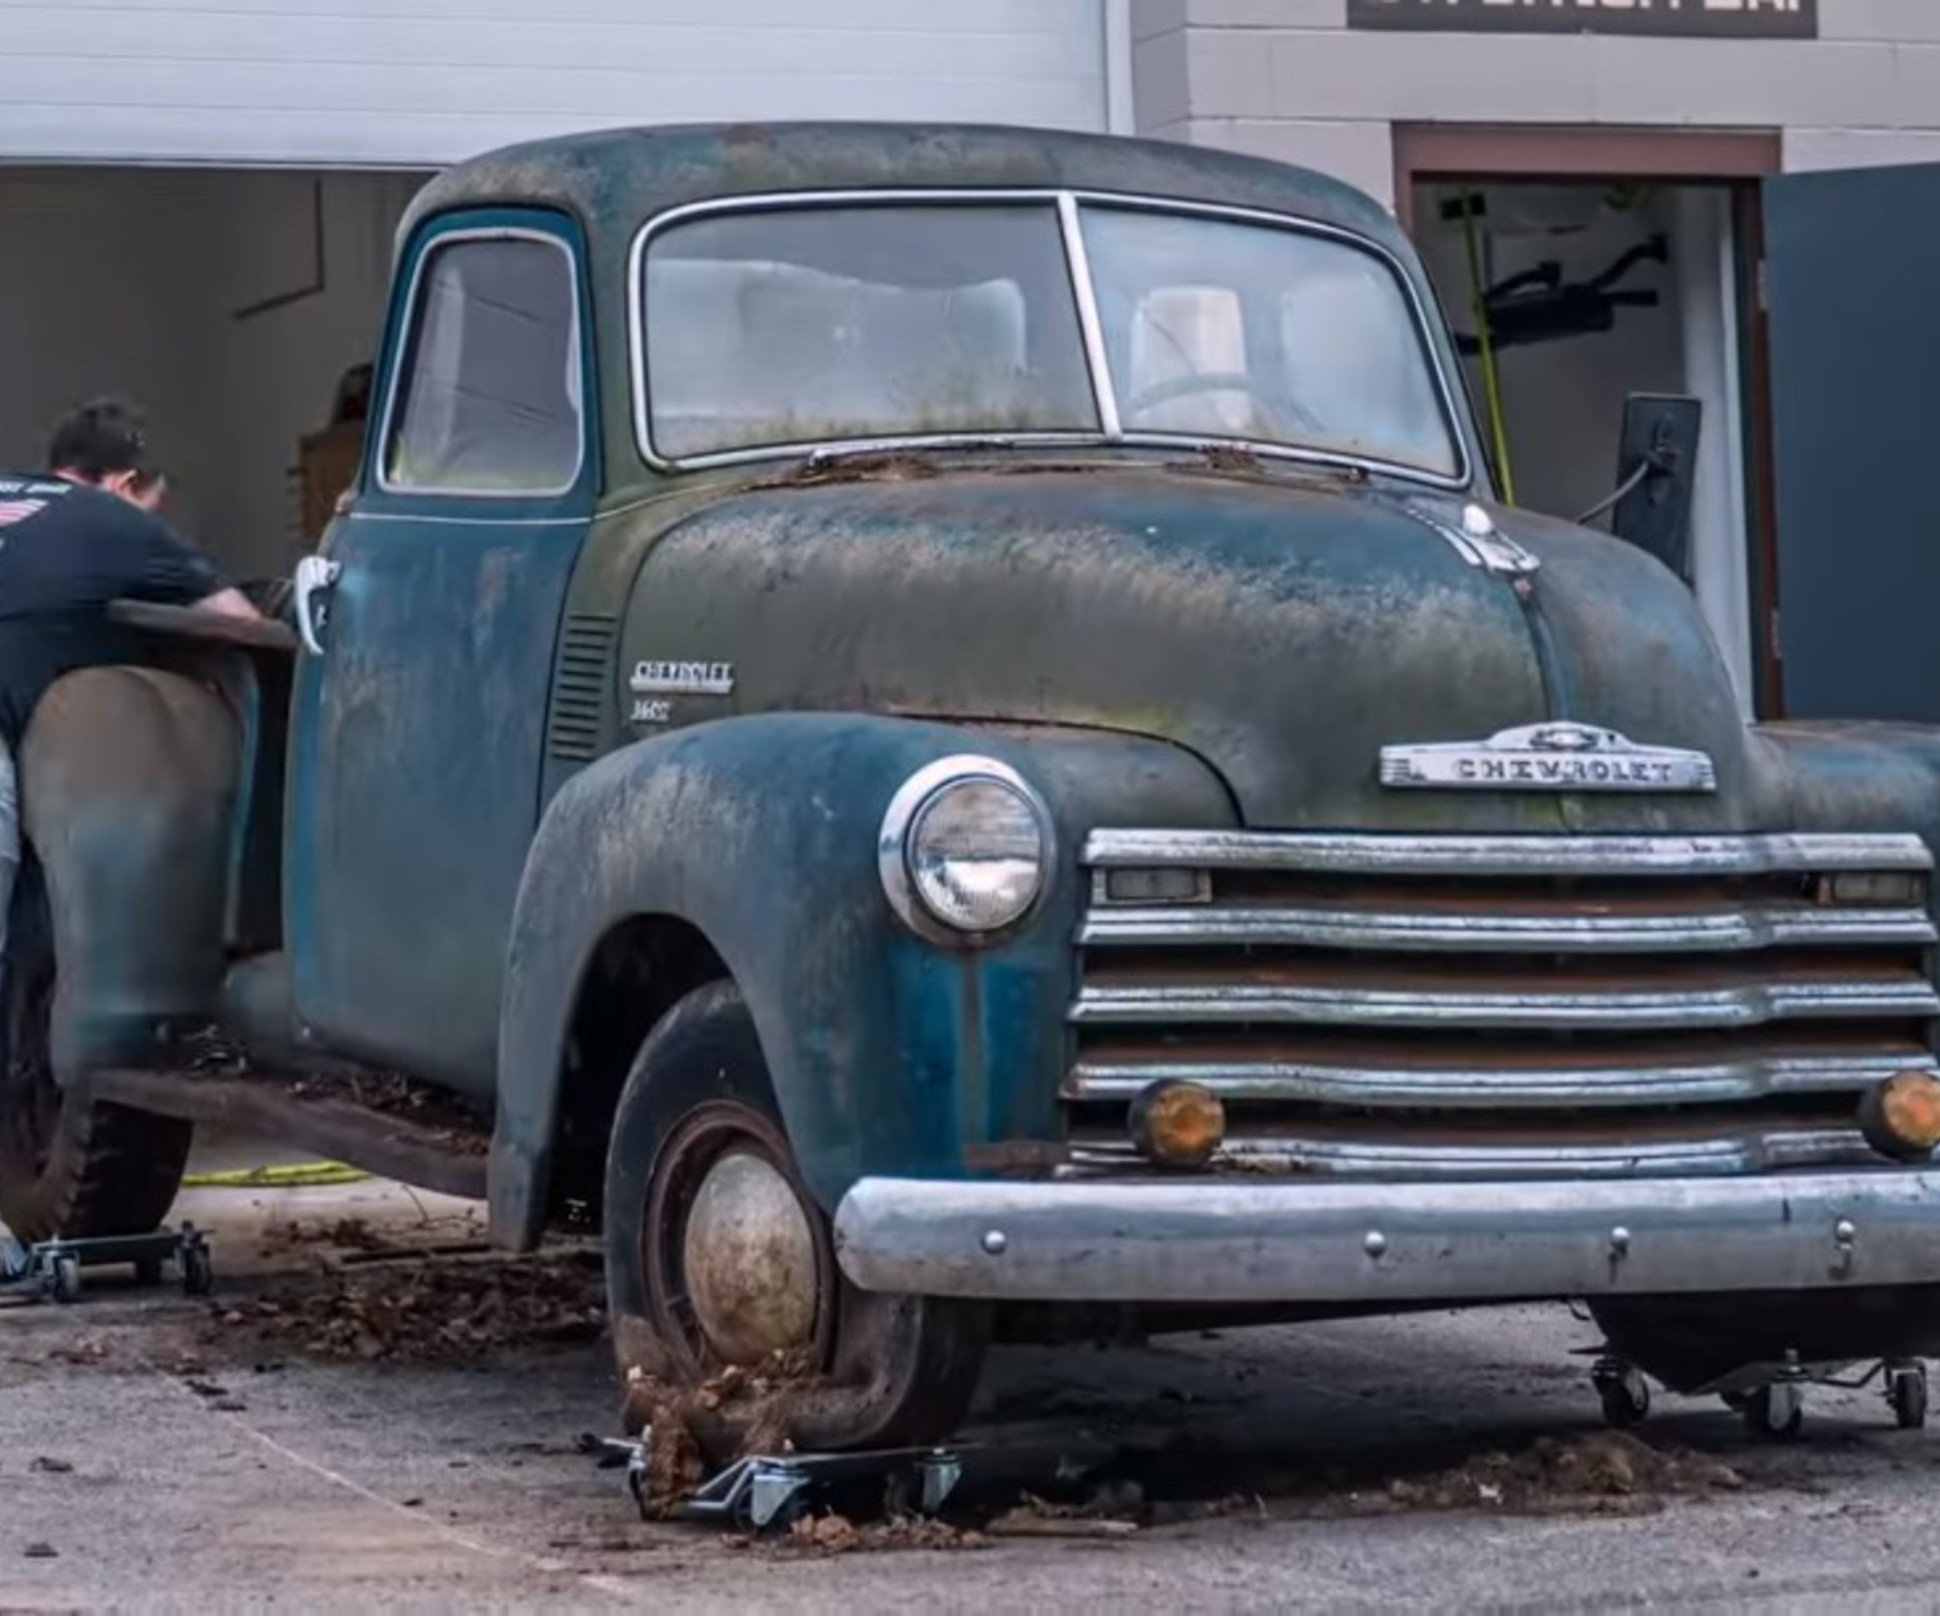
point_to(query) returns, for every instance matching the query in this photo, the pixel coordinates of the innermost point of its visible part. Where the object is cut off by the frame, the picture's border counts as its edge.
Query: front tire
(69, 1168)
(719, 1259)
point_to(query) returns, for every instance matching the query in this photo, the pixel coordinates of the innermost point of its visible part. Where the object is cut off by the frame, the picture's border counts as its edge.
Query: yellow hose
(1491, 383)
(296, 1175)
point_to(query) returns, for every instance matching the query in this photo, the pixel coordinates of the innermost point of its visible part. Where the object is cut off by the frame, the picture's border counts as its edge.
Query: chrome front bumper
(1264, 1242)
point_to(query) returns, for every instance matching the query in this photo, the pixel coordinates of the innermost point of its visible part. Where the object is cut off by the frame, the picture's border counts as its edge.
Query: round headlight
(964, 849)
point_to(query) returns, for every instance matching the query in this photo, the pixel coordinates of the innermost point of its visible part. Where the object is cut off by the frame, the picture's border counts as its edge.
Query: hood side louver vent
(581, 678)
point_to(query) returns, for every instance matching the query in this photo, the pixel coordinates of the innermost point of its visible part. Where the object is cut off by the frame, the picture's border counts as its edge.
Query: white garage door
(428, 81)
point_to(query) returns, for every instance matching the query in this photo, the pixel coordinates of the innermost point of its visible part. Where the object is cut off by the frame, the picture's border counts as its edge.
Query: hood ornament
(1478, 541)
(1558, 757)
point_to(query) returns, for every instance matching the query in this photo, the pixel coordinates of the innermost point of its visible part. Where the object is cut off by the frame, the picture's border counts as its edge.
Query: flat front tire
(721, 1272)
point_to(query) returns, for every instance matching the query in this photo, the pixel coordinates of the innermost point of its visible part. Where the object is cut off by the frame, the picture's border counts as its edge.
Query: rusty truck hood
(1283, 630)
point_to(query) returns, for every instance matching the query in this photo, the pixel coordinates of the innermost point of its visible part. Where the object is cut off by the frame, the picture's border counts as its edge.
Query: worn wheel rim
(721, 1134)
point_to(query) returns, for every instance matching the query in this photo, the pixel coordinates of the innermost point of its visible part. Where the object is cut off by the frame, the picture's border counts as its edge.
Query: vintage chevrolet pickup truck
(936, 729)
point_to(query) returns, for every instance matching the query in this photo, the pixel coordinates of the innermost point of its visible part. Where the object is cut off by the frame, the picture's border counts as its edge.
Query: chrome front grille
(1405, 1006)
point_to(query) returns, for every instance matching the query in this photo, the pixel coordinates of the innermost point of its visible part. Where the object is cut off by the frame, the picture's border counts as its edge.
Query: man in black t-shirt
(72, 539)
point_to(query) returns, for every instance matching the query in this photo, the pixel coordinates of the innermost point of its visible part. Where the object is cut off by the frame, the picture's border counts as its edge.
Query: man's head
(104, 443)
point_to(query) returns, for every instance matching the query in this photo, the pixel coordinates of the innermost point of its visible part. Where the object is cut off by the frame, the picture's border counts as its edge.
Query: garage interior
(235, 305)
(1567, 296)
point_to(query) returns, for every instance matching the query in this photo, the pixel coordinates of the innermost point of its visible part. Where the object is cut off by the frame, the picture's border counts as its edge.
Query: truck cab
(935, 729)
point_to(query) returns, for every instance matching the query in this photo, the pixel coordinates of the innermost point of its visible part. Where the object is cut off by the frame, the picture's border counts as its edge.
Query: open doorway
(1577, 272)
(240, 307)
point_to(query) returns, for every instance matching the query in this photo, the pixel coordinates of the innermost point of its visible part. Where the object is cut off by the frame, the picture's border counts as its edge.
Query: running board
(306, 1114)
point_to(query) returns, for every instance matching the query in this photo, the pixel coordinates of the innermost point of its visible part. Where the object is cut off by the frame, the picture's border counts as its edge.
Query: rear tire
(718, 1255)
(69, 1168)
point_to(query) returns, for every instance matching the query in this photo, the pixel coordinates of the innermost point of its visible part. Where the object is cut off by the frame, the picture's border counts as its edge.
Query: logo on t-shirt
(22, 498)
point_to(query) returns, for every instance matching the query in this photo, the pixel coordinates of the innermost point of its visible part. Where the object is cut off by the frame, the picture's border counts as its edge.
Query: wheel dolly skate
(763, 1494)
(50, 1270)
(1769, 1398)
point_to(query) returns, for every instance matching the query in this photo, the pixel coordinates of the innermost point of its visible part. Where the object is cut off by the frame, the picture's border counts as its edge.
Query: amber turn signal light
(1901, 1117)
(1178, 1124)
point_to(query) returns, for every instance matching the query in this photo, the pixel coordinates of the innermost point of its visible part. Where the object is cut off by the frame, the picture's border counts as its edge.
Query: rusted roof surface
(614, 179)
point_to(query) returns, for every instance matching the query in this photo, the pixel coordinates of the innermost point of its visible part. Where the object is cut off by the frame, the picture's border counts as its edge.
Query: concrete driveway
(353, 1424)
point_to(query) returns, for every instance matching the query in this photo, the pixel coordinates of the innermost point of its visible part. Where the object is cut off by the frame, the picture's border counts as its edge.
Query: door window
(489, 397)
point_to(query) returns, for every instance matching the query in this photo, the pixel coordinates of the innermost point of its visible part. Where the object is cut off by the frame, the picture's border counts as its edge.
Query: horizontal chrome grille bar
(1244, 1076)
(1501, 1007)
(1589, 1007)
(1295, 1155)
(1483, 856)
(1365, 926)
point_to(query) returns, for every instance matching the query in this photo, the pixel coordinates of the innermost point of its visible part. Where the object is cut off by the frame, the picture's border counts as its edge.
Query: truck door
(418, 730)
(1853, 260)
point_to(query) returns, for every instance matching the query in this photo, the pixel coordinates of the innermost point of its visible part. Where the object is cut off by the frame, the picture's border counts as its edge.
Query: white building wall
(423, 82)
(1288, 79)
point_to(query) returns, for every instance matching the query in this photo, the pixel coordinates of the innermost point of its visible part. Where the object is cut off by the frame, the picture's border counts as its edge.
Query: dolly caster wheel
(1776, 1412)
(67, 1279)
(1907, 1391)
(1625, 1394)
(198, 1275)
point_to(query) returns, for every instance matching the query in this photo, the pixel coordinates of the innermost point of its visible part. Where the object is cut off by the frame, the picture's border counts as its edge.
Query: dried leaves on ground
(417, 1311)
(737, 1413)
(1606, 1472)
(837, 1534)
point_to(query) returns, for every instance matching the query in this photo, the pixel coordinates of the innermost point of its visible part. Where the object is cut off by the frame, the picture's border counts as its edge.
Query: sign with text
(1713, 19)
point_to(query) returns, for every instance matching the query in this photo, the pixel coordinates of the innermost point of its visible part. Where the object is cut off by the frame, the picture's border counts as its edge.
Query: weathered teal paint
(1279, 626)
(1153, 640)
(419, 741)
(761, 832)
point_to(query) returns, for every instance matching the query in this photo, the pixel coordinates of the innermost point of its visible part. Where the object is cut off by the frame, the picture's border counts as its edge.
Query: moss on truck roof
(615, 179)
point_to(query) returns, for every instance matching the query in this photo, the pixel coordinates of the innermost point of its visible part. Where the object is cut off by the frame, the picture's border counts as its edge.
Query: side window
(489, 398)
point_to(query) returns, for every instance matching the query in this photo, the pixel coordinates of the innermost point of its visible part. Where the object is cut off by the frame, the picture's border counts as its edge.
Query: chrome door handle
(315, 575)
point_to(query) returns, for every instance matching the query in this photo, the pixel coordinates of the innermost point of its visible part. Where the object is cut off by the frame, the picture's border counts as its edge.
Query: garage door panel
(342, 80)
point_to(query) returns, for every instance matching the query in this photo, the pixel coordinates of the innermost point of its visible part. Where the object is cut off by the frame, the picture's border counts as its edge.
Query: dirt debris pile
(737, 1413)
(1606, 1472)
(420, 1311)
(833, 1533)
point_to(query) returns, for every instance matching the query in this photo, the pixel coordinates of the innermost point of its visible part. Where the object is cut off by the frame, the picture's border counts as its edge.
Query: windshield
(805, 325)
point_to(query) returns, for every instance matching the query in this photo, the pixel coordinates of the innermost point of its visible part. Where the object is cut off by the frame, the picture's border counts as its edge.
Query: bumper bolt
(1376, 1244)
(996, 1243)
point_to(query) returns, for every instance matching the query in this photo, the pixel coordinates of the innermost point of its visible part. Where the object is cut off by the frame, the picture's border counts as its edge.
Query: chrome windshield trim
(1345, 926)
(1241, 1076)
(1326, 853)
(1461, 479)
(1077, 258)
(1251, 1239)
(1339, 1004)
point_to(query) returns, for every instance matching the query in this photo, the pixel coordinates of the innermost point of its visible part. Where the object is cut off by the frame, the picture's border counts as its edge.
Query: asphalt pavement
(257, 1452)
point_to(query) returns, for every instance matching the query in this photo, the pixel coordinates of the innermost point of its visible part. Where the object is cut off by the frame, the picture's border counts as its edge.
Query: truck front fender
(885, 1051)
(128, 782)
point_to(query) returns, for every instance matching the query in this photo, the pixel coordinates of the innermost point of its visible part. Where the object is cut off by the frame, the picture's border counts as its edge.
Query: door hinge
(1760, 288)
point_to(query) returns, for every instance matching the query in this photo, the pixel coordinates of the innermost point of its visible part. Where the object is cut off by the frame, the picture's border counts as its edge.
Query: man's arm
(173, 573)
(230, 603)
